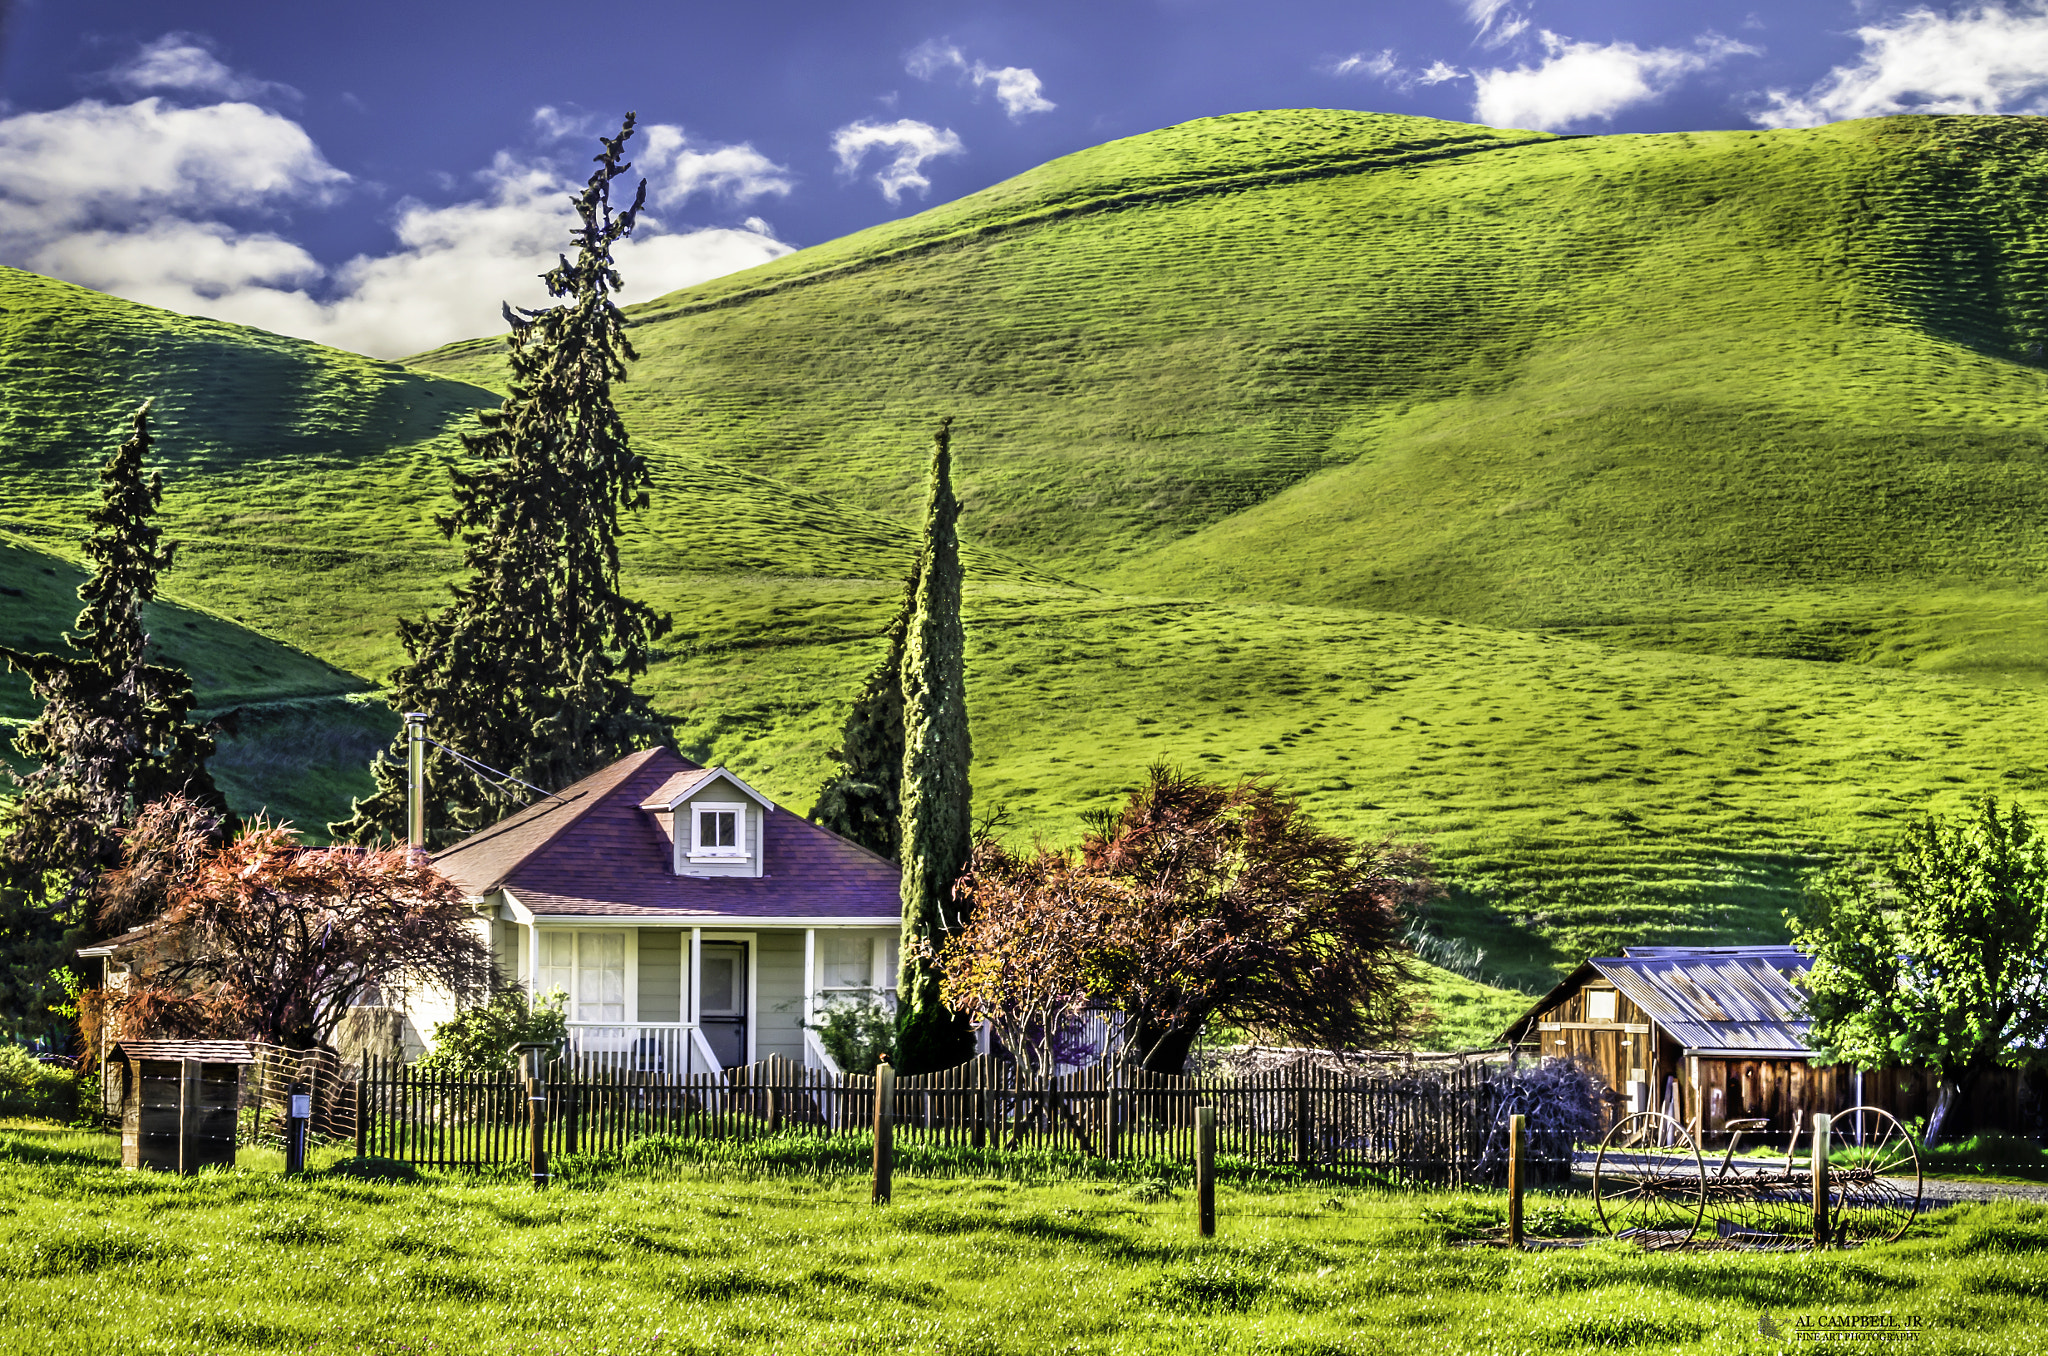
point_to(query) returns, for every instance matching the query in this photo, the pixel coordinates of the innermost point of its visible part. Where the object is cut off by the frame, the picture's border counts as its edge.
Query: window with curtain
(600, 977)
(588, 966)
(555, 966)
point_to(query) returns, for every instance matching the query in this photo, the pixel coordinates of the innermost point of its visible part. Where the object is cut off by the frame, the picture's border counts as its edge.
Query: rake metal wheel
(1648, 1182)
(1877, 1195)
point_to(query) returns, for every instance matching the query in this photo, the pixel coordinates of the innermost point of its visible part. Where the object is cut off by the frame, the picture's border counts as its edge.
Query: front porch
(679, 1002)
(666, 1049)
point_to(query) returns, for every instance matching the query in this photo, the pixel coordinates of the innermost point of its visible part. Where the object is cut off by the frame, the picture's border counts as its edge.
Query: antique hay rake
(1651, 1184)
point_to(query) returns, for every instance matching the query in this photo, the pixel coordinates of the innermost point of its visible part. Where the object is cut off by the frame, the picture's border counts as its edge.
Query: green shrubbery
(857, 1035)
(28, 1088)
(477, 1042)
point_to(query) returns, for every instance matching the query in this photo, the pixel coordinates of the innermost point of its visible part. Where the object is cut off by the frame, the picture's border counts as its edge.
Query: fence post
(536, 1116)
(1301, 1128)
(362, 1116)
(885, 1120)
(301, 1115)
(774, 1109)
(1516, 1181)
(1822, 1125)
(1205, 1170)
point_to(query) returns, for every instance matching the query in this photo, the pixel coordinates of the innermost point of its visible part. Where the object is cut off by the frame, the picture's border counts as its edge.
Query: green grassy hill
(1638, 520)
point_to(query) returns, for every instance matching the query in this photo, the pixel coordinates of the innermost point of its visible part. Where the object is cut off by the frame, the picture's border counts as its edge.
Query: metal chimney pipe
(416, 778)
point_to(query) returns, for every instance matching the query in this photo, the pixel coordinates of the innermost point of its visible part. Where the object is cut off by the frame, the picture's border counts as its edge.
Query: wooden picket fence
(1429, 1124)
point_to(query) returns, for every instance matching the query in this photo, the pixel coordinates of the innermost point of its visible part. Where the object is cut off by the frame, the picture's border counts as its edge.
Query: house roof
(683, 785)
(592, 851)
(1716, 1000)
(114, 945)
(209, 1052)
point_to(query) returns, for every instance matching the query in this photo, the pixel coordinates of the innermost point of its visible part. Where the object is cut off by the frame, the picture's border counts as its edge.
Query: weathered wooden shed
(1705, 1034)
(179, 1101)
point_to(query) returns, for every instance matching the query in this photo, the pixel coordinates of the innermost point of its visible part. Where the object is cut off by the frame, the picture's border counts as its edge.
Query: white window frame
(739, 852)
(632, 979)
(1609, 999)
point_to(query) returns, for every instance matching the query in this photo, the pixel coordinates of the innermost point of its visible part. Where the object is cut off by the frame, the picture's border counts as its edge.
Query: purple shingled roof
(592, 851)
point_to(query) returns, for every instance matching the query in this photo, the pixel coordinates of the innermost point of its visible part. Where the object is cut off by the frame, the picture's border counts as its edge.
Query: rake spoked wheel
(1649, 1184)
(1877, 1192)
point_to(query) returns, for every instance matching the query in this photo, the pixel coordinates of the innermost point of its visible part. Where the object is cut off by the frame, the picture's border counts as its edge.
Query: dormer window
(718, 831)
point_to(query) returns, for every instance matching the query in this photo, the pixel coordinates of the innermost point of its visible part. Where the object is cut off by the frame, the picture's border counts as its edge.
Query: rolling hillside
(1638, 520)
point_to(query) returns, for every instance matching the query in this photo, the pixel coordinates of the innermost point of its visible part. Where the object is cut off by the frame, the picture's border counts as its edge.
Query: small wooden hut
(179, 1101)
(1707, 1035)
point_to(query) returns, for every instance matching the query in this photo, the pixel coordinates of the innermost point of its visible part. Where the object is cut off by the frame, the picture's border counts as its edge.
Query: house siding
(661, 975)
(778, 1006)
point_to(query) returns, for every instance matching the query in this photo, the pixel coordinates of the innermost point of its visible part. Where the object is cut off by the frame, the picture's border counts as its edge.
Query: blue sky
(379, 175)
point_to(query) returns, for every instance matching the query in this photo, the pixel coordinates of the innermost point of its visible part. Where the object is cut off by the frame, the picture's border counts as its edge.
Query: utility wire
(490, 771)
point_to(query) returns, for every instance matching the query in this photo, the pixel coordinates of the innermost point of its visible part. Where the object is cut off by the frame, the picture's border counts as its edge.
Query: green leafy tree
(938, 831)
(863, 801)
(530, 668)
(1936, 954)
(113, 736)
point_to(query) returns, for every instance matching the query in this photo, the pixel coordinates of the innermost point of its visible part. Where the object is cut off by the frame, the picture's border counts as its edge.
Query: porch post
(695, 1010)
(809, 1006)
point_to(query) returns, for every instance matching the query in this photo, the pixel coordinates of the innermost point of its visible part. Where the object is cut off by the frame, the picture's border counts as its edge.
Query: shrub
(29, 1088)
(857, 1035)
(477, 1042)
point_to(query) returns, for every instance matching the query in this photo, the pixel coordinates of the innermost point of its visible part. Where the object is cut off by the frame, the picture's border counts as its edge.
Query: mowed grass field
(1637, 521)
(94, 1259)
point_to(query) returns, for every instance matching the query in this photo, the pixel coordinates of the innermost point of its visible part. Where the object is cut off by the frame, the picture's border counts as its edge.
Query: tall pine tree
(864, 799)
(112, 737)
(937, 825)
(530, 668)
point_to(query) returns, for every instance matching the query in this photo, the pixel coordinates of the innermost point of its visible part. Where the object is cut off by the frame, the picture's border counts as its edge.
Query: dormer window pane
(719, 831)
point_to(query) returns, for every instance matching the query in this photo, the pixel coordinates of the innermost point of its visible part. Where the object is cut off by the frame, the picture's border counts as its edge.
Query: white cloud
(1986, 60)
(675, 170)
(1579, 81)
(156, 203)
(1379, 65)
(1498, 21)
(1018, 88)
(181, 62)
(94, 163)
(933, 56)
(1385, 67)
(913, 143)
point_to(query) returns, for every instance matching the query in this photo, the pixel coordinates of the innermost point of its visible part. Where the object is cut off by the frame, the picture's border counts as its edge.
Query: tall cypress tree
(937, 827)
(864, 799)
(530, 668)
(113, 736)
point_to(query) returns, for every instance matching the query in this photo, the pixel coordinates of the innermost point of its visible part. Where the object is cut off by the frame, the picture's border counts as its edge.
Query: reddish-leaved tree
(273, 940)
(1025, 962)
(1197, 900)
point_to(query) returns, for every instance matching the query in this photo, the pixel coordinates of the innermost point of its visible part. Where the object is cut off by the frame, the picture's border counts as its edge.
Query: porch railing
(664, 1049)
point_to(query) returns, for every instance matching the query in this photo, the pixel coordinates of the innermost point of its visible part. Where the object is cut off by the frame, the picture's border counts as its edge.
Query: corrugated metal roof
(210, 1052)
(1735, 999)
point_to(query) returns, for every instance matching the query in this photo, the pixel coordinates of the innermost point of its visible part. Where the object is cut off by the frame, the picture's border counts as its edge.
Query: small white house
(694, 924)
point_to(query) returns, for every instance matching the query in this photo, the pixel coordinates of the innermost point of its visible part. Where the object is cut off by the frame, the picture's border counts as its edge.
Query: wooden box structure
(179, 1102)
(1705, 1035)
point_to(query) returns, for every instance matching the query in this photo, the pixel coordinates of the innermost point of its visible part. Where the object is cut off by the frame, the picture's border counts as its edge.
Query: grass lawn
(95, 1259)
